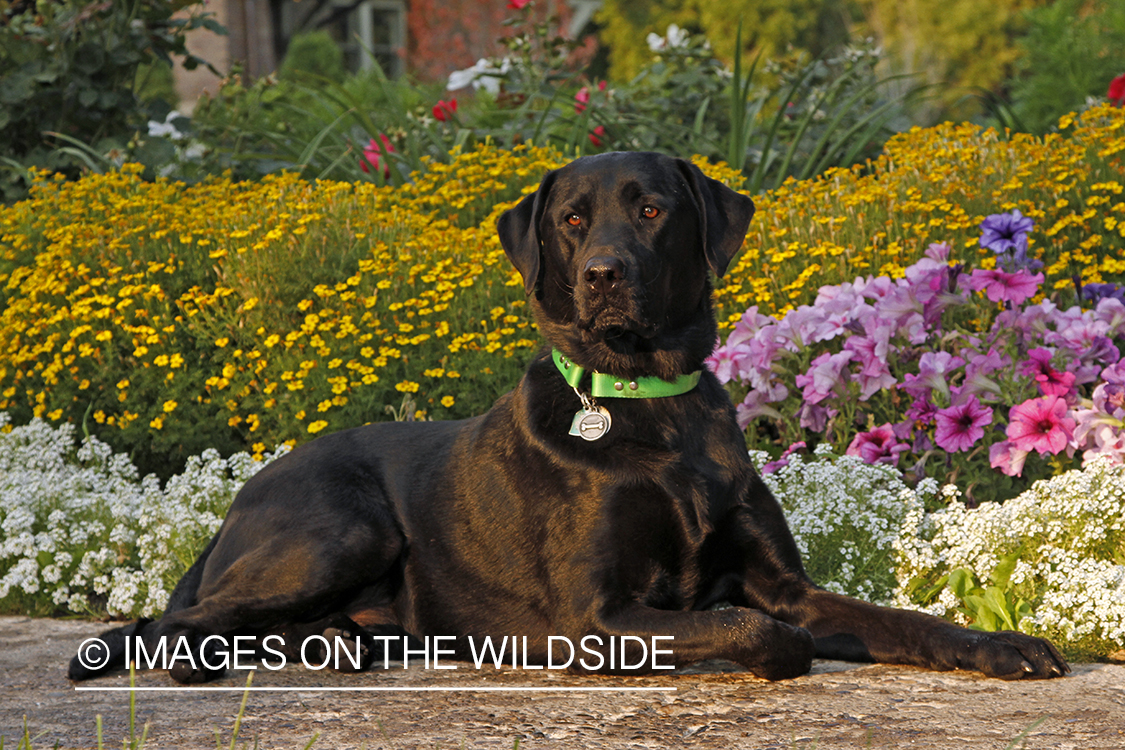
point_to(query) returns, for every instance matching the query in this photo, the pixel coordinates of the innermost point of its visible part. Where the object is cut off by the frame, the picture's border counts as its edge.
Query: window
(368, 31)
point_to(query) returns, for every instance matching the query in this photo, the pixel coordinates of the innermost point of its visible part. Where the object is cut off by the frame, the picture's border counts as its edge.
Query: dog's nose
(604, 274)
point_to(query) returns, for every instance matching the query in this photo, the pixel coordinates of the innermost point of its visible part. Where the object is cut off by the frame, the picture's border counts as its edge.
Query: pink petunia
(1001, 286)
(1040, 424)
(959, 427)
(1007, 458)
(879, 446)
(1051, 382)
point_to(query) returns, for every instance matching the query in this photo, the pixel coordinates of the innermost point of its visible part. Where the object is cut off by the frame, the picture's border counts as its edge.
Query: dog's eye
(650, 212)
(574, 220)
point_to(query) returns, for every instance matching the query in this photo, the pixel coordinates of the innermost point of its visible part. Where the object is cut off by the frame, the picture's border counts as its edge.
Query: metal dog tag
(591, 424)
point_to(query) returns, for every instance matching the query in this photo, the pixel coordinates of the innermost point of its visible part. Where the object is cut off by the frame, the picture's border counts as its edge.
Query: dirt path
(837, 706)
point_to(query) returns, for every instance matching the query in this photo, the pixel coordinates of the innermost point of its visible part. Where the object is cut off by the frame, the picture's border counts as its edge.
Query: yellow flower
(170, 406)
(407, 386)
(317, 426)
(156, 423)
(447, 401)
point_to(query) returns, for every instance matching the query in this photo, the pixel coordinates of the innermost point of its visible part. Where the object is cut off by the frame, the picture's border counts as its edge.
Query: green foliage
(993, 607)
(958, 46)
(1071, 51)
(829, 112)
(313, 55)
(771, 27)
(68, 71)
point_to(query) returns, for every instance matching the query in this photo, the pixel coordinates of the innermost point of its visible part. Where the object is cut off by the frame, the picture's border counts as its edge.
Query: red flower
(580, 99)
(444, 110)
(517, 4)
(594, 139)
(1116, 93)
(373, 155)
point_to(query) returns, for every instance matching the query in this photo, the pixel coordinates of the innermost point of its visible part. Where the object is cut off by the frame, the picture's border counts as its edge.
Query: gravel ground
(838, 705)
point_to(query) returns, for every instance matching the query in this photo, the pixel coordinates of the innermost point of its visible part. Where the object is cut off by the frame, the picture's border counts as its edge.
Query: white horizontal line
(464, 689)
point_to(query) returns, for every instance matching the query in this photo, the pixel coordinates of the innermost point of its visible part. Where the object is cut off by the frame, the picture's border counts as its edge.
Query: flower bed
(937, 184)
(81, 532)
(180, 324)
(168, 319)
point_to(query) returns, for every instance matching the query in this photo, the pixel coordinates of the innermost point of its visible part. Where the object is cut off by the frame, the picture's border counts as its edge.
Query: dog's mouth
(625, 341)
(621, 333)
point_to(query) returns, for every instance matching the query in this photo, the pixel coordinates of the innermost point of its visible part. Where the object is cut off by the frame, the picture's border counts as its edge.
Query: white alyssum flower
(1067, 534)
(80, 530)
(845, 516)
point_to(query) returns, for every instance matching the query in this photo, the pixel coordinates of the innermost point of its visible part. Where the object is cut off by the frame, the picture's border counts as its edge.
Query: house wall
(249, 40)
(448, 35)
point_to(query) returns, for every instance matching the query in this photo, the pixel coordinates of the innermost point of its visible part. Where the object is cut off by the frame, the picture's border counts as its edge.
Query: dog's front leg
(758, 543)
(767, 647)
(846, 628)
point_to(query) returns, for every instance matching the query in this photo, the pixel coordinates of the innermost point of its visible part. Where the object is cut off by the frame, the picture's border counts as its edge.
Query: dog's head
(615, 251)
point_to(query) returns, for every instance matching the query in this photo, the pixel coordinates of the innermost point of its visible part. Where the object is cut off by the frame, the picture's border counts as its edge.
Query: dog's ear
(518, 228)
(724, 216)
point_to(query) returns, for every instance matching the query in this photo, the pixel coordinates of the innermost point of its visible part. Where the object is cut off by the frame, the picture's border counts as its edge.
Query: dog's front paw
(1014, 656)
(782, 651)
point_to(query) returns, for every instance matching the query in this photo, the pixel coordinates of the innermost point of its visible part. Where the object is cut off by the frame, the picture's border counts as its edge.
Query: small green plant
(993, 607)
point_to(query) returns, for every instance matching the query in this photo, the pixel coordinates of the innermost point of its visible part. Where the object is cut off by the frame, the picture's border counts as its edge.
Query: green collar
(608, 386)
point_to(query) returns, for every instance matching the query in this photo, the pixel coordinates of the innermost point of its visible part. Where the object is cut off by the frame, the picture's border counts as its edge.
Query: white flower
(674, 38)
(166, 128)
(77, 520)
(482, 75)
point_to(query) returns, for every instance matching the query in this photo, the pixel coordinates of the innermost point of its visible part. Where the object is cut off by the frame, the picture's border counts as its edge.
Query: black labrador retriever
(610, 494)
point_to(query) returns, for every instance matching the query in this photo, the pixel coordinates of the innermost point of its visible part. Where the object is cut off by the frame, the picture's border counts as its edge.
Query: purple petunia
(960, 426)
(1003, 232)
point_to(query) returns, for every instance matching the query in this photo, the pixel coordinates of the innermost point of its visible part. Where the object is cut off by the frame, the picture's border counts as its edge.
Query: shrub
(313, 54)
(68, 71)
(1065, 59)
